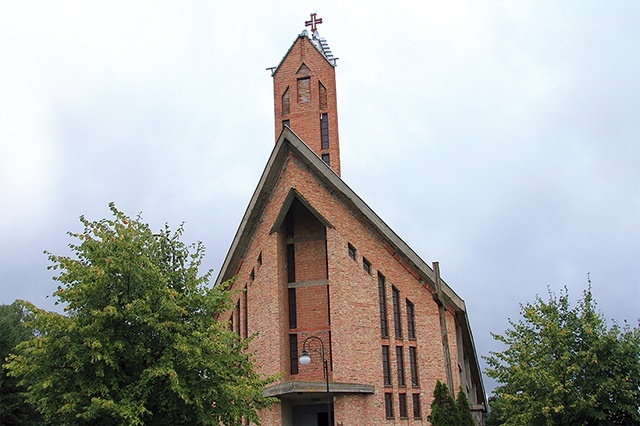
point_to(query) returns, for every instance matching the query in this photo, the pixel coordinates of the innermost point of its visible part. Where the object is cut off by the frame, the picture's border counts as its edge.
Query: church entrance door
(310, 415)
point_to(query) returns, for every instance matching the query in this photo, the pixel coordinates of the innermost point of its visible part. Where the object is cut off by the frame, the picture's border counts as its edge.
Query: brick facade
(300, 253)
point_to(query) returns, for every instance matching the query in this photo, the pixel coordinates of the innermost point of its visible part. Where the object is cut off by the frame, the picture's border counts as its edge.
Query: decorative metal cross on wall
(313, 22)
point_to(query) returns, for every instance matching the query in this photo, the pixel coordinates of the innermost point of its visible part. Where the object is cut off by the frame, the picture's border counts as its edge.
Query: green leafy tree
(464, 411)
(443, 407)
(445, 411)
(562, 365)
(139, 343)
(13, 408)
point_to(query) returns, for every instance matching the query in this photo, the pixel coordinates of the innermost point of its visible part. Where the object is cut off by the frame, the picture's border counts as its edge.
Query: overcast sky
(501, 139)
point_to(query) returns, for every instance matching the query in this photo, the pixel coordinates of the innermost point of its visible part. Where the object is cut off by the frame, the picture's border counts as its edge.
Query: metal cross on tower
(313, 22)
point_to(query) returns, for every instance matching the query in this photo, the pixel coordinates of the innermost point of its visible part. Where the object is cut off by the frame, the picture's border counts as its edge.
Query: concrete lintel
(296, 387)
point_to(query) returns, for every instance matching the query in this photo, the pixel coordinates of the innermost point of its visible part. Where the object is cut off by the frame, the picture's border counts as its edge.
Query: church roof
(289, 142)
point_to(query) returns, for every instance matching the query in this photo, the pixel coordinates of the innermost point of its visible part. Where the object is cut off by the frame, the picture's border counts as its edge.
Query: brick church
(357, 324)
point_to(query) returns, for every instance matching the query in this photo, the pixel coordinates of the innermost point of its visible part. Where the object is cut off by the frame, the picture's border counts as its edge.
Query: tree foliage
(13, 409)
(445, 411)
(562, 365)
(140, 343)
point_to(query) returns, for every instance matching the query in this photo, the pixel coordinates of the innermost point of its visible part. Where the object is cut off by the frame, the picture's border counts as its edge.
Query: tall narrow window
(324, 131)
(245, 321)
(416, 406)
(285, 102)
(293, 353)
(402, 405)
(397, 325)
(285, 123)
(386, 366)
(352, 251)
(322, 93)
(293, 320)
(304, 90)
(384, 328)
(366, 265)
(237, 315)
(291, 263)
(327, 159)
(388, 405)
(400, 365)
(411, 323)
(413, 363)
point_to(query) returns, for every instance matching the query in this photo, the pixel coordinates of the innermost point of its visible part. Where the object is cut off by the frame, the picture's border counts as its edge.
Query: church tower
(304, 91)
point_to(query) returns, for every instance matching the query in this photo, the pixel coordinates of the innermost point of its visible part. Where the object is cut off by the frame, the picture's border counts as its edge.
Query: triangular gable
(295, 195)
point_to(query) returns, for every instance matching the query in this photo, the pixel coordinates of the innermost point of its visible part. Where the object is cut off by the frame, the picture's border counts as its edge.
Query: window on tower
(326, 158)
(324, 131)
(285, 102)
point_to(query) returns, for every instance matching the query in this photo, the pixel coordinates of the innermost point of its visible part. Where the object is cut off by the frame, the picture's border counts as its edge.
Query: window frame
(397, 322)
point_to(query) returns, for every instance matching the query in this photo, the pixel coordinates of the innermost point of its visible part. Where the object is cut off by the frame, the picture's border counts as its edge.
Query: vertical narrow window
(402, 405)
(322, 93)
(293, 316)
(384, 328)
(352, 251)
(245, 322)
(411, 323)
(236, 314)
(291, 263)
(400, 365)
(252, 275)
(413, 363)
(397, 325)
(416, 406)
(324, 131)
(285, 123)
(366, 265)
(304, 90)
(386, 366)
(327, 159)
(260, 259)
(285, 102)
(293, 353)
(388, 405)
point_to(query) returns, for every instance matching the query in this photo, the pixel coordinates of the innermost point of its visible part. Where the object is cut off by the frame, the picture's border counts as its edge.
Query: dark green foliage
(13, 409)
(445, 411)
(464, 411)
(563, 366)
(140, 343)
